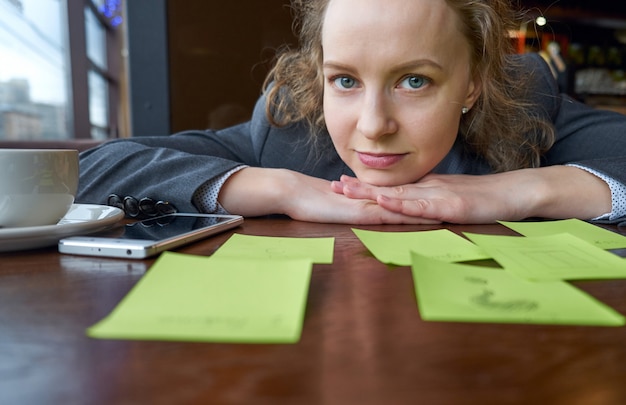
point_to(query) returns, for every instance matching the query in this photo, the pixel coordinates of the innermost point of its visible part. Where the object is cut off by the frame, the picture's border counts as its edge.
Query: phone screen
(168, 226)
(148, 237)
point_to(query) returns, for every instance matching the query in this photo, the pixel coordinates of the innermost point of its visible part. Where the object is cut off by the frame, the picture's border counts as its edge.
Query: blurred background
(101, 69)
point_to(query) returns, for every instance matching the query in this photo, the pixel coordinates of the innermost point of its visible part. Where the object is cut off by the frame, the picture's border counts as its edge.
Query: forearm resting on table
(253, 191)
(548, 192)
(570, 192)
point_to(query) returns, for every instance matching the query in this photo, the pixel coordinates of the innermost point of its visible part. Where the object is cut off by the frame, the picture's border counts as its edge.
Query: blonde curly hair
(501, 127)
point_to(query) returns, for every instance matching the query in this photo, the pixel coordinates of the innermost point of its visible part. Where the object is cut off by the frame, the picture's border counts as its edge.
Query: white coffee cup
(37, 186)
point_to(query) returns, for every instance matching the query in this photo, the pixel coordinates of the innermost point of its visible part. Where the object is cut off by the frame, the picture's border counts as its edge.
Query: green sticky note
(319, 250)
(553, 257)
(195, 298)
(464, 293)
(600, 237)
(395, 247)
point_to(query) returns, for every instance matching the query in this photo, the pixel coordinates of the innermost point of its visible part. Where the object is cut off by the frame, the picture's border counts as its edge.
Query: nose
(376, 116)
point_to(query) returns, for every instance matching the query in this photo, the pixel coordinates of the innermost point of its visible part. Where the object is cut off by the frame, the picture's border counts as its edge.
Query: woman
(392, 111)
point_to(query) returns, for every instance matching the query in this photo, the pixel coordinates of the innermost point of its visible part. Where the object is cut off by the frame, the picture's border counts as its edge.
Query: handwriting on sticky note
(488, 299)
(395, 247)
(194, 298)
(552, 257)
(319, 250)
(460, 292)
(598, 236)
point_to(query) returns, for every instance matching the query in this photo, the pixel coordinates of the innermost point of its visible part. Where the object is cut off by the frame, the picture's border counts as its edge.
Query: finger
(401, 218)
(369, 212)
(337, 186)
(359, 191)
(379, 215)
(421, 207)
(348, 179)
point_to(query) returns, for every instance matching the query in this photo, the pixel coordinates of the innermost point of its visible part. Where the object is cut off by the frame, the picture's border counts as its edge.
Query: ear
(474, 89)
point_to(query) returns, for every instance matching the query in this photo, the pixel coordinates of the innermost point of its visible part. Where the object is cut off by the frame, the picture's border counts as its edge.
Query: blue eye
(344, 82)
(413, 82)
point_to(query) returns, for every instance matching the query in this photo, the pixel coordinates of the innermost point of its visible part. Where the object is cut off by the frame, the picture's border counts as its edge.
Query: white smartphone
(148, 237)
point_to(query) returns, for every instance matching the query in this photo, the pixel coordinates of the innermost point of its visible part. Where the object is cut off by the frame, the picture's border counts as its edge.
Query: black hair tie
(140, 209)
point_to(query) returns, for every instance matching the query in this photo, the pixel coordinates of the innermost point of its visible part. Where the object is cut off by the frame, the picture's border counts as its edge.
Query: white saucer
(81, 219)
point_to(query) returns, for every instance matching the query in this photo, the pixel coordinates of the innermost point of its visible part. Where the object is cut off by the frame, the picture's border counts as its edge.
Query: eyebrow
(399, 68)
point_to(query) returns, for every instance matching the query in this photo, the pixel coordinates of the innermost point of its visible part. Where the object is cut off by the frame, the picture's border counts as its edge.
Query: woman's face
(397, 74)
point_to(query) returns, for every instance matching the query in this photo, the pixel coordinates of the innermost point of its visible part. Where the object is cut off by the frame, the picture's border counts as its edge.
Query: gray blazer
(172, 168)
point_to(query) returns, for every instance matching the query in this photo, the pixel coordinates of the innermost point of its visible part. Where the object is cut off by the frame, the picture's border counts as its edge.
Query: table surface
(363, 341)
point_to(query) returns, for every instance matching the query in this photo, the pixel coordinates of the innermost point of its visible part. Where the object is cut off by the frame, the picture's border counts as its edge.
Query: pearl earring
(464, 110)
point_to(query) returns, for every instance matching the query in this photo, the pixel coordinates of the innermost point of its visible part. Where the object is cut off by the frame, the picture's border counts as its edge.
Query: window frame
(80, 65)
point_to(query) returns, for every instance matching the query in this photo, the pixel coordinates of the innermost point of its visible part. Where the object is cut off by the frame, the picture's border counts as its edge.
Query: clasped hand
(442, 198)
(548, 192)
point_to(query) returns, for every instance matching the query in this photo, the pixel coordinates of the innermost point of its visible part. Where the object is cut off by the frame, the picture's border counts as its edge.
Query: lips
(380, 160)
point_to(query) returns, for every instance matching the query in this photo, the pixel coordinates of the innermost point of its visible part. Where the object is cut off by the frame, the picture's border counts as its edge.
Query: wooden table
(363, 341)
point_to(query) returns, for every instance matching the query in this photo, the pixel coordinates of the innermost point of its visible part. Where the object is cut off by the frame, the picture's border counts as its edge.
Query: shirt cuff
(205, 197)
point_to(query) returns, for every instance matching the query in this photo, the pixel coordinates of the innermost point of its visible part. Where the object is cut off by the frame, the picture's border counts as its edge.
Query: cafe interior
(360, 336)
(207, 51)
(172, 66)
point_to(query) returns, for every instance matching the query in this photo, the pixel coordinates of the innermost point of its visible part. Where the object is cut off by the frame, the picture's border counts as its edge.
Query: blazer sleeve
(169, 168)
(164, 168)
(172, 168)
(585, 136)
